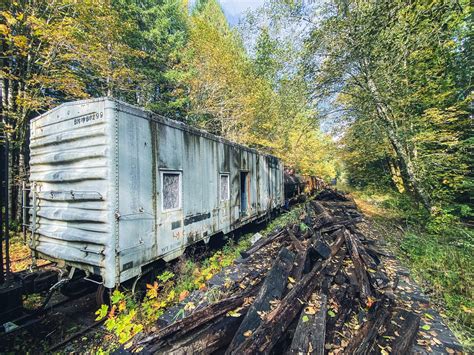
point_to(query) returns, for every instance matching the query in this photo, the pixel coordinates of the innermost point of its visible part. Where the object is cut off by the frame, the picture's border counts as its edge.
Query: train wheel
(102, 295)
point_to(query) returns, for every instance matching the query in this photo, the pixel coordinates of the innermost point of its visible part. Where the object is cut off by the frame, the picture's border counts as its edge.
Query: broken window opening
(224, 187)
(171, 190)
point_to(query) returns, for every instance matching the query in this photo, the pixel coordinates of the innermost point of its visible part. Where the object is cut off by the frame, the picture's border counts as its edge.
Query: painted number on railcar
(88, 118)
(171, 247)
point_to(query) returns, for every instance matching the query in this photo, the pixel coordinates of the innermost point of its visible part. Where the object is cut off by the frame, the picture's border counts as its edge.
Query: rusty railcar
(115, 188)
(294, 184)
(313, 184)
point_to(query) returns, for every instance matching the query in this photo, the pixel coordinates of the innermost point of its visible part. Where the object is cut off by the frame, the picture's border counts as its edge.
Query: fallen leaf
(247, 301)
(189, 306)
(235, 313)
(183, 295)
(305, 319)
(429, 316)
(248, 333)
(370, 302)
(426, 327)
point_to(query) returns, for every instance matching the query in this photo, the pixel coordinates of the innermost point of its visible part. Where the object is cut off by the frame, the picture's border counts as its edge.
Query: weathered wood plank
(263, 242)
(272, 289)
(364, 340)
(310, 333)
(404, 328)
(360, 271)
(210, 337)
(199, 317)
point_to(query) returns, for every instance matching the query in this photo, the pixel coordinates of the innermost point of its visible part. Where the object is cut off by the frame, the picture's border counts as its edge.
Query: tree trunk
(404, 157)
(410, 170)
(396, 175)
(4, 84)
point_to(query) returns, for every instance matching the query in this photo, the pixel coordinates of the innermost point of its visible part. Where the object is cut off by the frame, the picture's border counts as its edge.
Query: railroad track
(31, 322)
(74, 336)
(31, 317)
(51, 326)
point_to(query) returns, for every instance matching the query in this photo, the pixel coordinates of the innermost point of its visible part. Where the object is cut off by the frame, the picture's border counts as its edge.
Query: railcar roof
(157, 118)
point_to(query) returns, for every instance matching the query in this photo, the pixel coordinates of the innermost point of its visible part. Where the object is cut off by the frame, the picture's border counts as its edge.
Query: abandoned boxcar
(116, 187)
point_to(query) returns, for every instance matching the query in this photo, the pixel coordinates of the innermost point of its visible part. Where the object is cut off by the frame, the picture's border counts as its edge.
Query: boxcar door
(244, 192)
(224, 200)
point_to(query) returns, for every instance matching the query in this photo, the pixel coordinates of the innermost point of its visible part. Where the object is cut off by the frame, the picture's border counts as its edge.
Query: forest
(374, 96)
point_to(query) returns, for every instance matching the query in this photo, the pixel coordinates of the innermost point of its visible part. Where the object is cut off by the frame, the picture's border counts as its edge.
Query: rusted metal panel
(100, 166)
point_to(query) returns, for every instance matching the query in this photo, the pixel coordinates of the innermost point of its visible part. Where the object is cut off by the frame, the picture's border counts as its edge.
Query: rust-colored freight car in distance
(313, 184)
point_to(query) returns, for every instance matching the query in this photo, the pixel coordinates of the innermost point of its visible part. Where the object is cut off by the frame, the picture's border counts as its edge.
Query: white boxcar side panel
(137, 205)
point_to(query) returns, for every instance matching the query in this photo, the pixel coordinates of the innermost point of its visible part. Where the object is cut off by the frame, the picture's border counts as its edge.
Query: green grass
(444, 266)
(281, 221)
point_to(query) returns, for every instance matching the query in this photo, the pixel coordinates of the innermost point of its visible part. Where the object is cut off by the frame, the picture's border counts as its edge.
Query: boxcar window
(224, 187)
(171, 191)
